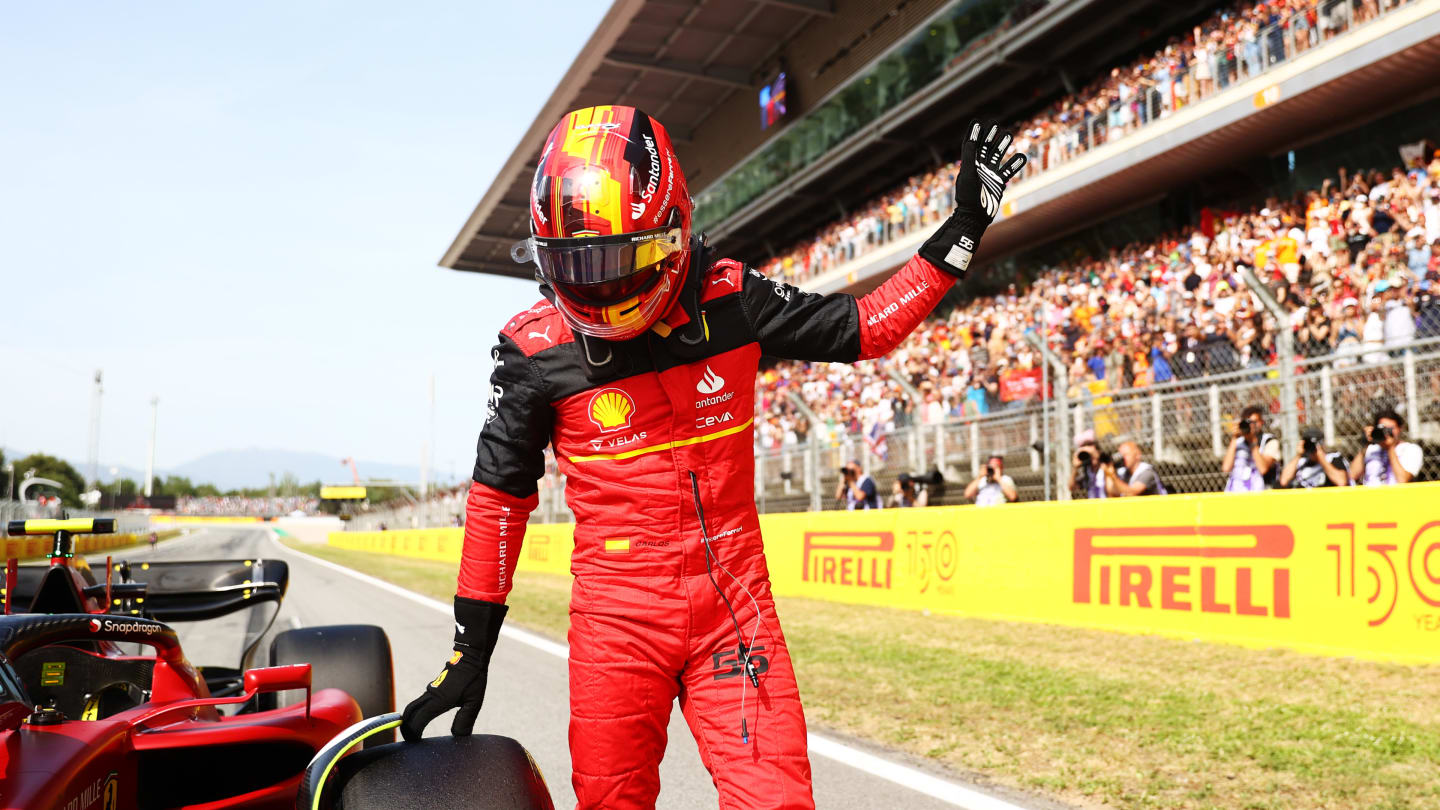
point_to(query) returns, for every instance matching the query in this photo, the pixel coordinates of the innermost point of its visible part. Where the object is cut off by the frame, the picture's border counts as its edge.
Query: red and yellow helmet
(610, 214)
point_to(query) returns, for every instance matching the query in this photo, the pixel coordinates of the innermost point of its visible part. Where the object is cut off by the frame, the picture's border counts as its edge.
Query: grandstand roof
(684, 61)
(676, 59)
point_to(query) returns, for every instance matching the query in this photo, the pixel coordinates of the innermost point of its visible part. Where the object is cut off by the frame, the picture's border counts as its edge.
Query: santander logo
(710, 383)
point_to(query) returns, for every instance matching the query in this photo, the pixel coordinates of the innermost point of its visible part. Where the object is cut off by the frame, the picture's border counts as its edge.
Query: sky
(239, 207)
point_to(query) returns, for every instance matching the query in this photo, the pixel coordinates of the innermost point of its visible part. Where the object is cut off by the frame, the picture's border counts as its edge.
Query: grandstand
(1176, 149)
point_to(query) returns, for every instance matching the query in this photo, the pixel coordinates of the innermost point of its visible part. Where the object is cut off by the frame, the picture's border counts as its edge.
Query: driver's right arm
(509, 461)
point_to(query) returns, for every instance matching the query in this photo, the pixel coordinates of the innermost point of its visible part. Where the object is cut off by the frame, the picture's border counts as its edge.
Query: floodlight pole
(150, 461)
(1285, 353)
(94, 460)
(1063, 450)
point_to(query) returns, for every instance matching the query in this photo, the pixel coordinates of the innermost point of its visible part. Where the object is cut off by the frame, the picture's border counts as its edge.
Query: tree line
(73, 483)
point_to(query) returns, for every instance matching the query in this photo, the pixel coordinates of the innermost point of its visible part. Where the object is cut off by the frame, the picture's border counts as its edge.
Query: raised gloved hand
(980, 184)
(462, 682)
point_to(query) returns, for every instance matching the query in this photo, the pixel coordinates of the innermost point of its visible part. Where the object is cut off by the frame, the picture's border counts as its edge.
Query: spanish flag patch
(618, 545)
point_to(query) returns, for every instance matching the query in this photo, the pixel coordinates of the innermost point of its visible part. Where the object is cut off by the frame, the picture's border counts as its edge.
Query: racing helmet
(610, 221)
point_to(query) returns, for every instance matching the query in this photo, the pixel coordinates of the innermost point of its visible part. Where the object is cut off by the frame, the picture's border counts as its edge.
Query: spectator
(993, 487)
(1136, 477)
(1313, 467)
(1387, 458)
(1087, 478)
(857, 489)
(1251, 460)
(1399, 319)
(907, 494)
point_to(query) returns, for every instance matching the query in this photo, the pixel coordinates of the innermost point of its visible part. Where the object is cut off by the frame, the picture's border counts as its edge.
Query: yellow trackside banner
(29, 547)
(546, 549)
(1352, 572)
(218, 519)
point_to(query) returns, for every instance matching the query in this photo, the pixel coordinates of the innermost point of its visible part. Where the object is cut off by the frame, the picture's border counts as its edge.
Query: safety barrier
(27, 547)
(222, 519)
(1343, 572)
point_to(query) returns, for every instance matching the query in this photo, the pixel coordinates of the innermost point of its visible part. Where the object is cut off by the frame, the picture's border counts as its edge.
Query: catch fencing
(1182, 427)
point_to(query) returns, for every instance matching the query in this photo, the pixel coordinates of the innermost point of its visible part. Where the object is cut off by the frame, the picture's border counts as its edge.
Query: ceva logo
(710, 383)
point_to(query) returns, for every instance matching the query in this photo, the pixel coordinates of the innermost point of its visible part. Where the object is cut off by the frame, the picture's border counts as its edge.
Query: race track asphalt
(527, 697)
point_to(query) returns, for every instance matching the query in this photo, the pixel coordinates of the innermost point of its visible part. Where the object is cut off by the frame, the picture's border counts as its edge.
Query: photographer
(1253, 457)
(1387, 459)
(1136, 477)
(993, 487)
(1087, 476)
(908, 492)
(857, 489)
(1312, 467)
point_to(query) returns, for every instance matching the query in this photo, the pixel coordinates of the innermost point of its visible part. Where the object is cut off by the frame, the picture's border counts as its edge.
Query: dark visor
(603, 259)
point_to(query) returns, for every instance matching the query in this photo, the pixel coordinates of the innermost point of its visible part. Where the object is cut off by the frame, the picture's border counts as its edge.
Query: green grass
(1084, 716)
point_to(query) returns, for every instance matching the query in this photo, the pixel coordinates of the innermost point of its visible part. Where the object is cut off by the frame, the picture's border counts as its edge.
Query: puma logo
(545, 336)
(725, 278)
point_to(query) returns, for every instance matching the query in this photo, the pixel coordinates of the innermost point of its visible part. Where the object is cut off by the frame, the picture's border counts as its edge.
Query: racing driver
(638, 368)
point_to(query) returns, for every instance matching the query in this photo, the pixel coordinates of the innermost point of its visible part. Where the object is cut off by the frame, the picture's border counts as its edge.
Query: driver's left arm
(793, 324)
(840, 328)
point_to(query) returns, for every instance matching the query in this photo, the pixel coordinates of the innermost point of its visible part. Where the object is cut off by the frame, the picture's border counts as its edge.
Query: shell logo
(611, 409)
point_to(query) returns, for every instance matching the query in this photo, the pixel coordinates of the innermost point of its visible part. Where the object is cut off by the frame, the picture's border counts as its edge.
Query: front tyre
(354, 658)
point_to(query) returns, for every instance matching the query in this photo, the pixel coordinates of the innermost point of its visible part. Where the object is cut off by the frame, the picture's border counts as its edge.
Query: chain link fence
(1182, 428)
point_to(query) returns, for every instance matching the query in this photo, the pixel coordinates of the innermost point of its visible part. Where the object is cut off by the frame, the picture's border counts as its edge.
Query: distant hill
(233, 469)
(237, 469)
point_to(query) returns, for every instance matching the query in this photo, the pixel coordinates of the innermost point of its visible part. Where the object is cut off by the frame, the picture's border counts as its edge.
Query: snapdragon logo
(111, 626)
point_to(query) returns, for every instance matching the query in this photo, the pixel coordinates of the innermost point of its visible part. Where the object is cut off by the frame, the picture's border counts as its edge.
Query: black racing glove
(462, 682)
(978, 188)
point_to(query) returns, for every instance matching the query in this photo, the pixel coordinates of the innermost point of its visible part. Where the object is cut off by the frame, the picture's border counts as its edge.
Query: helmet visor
(609, 262)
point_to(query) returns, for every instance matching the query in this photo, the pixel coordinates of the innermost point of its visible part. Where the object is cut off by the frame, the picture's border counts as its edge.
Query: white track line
(903, 775)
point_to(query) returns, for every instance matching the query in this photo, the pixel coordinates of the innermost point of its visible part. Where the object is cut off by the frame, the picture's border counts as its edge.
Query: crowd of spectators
(241, 505)
(1355, 263)
(1238, 41)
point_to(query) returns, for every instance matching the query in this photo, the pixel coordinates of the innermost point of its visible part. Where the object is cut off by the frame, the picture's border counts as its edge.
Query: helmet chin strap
(694, 332)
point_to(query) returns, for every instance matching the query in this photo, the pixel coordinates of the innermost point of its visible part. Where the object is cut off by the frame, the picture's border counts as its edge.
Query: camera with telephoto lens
(933, 482)
(1377, 433)
(1310, 441)
(1087, 458)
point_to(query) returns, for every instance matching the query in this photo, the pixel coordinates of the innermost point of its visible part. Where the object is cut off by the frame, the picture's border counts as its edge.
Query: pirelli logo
(1211, 569)
(849, 559)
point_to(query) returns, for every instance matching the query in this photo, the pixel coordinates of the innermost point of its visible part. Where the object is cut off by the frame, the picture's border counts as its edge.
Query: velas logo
(611, 409)
(1210, 569)
(850, 559)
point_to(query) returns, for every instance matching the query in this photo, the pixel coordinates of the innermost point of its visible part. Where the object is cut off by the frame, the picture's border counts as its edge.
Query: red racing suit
(651, 434)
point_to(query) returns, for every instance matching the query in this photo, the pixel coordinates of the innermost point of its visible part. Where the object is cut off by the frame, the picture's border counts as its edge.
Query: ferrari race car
(100, 708)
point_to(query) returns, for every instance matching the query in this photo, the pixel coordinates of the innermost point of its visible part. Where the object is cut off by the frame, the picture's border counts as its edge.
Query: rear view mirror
(278, 679)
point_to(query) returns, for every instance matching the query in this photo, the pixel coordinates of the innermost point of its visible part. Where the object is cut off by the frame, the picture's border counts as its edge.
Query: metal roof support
(717, 75)
(823, 8)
